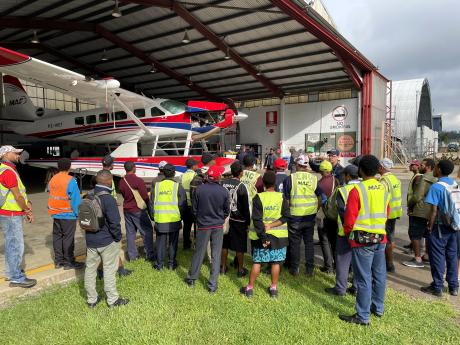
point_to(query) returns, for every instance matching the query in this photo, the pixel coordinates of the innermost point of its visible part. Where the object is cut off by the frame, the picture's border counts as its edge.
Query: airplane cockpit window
(139, 112)
(173, 107)
(79, 120)
(120, 115)
(103, 117)
(90, 119)
(156, 112)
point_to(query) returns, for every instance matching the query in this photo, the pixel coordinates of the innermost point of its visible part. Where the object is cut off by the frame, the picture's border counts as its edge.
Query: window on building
(79, 121)
(139, 112)
(156, 112)
(103, 117)
(90, 119)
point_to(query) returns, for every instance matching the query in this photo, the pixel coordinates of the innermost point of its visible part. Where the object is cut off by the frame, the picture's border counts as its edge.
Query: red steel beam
(33, 23)
(315, 28)
(214, 39)
(351, 72)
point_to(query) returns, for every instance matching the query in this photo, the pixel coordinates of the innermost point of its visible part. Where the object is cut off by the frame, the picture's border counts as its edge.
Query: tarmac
(38, 261)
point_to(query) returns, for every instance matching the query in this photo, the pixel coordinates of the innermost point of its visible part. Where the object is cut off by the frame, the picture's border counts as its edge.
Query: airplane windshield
(173, 107)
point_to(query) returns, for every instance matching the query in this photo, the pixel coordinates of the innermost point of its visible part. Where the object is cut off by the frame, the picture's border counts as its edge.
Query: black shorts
(417, 227)
(390, 226)
(237, 237)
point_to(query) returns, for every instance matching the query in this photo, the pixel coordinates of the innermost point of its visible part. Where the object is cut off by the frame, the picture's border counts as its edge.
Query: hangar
(282, 61)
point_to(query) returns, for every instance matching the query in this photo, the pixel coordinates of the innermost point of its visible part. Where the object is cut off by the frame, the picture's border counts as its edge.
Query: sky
(409, 39)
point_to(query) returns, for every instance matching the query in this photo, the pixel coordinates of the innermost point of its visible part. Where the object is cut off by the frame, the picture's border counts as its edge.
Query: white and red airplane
(121, 116)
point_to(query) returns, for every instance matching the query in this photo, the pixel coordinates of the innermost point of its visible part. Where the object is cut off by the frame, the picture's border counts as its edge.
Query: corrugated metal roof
(282, 49)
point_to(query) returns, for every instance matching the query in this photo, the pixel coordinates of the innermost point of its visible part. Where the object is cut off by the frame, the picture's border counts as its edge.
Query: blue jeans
(369, 270)
(14, 247)
(139, 221)
(443, 251)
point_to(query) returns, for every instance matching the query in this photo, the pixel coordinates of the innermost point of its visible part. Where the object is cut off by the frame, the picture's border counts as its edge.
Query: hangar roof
(238, 49)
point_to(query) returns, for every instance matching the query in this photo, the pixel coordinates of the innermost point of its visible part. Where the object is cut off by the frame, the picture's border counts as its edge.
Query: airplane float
(167, 127)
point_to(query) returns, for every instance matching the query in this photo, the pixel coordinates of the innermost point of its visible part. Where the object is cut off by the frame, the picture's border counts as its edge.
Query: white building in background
(412, 117)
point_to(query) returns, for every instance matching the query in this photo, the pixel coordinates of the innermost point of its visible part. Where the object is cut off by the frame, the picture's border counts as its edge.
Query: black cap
(207, 157)
(333, 152)
(351, 170)
(169, 167)
(190, 163)
(107, 161)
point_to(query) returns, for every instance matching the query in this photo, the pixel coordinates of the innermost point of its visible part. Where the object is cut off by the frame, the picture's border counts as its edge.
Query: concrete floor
(38, 246)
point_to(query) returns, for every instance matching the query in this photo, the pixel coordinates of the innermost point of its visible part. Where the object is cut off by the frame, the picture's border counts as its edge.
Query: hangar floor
(38, 242)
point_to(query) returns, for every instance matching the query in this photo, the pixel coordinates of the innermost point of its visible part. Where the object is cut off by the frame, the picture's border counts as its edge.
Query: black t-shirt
(242, 211)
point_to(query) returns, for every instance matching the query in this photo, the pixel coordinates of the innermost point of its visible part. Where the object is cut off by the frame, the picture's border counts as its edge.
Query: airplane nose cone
(241, 117)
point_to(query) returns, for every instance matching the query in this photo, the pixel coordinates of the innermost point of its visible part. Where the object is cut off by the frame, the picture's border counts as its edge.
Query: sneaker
(248, 293)
(431, 290)
(273, 292)
(326, 270)
(74, 266)
(93, 305)
(413, 263)
(333, 291)
(353, 319)
(374, 312)
(157, 267)
(26, 283)
(453, 292)
(351, 290)
(119, 302)
(391, 269)
(189, 282)
(242, 273)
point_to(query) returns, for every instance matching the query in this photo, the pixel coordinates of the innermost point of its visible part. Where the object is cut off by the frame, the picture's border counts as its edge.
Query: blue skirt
(266, 255)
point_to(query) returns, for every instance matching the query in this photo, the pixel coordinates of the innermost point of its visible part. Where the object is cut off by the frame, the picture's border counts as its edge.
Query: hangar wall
(379, 114)
(315, 127)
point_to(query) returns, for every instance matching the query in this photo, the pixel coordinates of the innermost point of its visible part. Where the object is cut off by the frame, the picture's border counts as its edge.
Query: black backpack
(90, 214)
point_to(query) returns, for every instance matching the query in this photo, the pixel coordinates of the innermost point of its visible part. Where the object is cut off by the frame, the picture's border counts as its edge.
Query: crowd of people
(355, 209)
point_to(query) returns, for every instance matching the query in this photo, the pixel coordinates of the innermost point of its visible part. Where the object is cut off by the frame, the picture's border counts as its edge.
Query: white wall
(314, 118)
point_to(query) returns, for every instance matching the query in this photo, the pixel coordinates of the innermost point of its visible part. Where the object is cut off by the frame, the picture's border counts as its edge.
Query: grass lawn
(163, 310)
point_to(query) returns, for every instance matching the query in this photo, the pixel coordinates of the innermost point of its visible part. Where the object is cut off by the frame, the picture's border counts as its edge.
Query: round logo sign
(339, 113)
(345, 142)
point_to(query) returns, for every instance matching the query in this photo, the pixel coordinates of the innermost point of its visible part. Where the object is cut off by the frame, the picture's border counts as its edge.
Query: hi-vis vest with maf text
(10, 202)
(249, 179)
(165, 202)
(373, 201)
(393, 186)
(272, 204)
(187, 177)
(58, 200)
(344, 192)
(304, 201)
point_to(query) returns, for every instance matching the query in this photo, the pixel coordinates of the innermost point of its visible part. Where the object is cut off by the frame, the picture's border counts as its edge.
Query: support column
(281, 126)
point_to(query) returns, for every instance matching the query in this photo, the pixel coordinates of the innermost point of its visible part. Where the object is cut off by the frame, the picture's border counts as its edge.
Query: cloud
(409, 39)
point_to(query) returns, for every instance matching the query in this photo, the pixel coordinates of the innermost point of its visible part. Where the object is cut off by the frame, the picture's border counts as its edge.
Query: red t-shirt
(351, 213)
(9, 180)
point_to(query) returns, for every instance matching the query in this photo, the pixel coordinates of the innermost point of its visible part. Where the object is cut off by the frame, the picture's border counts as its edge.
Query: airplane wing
(66, 81)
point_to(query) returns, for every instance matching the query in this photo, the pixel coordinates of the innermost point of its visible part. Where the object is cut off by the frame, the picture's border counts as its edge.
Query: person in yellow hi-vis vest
(168, 204)
(15, 206)
(305, 197)
(251, 178)
(269, 238)
(364, 224)
(393, 186)
(186, 179)
(343, 249)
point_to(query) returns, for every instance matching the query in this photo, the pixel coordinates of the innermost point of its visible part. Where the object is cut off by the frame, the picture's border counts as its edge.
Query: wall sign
(271, 118)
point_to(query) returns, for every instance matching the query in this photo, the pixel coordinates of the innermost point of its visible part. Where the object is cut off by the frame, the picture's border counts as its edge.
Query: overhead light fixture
(227, 54)
(259, 71)
(153, 69)
(116, 10)
(186, 38)
(35, 39)
(104, 56)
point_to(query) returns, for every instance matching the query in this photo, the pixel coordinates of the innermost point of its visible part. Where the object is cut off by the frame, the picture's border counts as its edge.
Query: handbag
(137, 196)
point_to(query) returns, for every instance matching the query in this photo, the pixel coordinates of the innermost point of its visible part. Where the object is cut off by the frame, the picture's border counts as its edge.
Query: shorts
(390, 226)
(417, 228)
(267, 255)
(237, 237)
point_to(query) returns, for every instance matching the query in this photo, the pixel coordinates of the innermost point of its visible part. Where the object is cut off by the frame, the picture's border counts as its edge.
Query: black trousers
(188, 220)
(64, 241)
(167, 246)
(297, 232)
(328, 241)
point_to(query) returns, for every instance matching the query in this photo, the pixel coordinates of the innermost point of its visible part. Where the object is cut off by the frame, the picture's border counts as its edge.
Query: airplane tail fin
(18, 106)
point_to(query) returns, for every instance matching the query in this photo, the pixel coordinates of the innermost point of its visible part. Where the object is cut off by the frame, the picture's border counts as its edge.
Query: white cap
(8, 148)
(387, 163)
(302, 160)
(162, 164)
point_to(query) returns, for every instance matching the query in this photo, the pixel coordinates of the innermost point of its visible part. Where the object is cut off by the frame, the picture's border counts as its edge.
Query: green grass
(163, 310)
